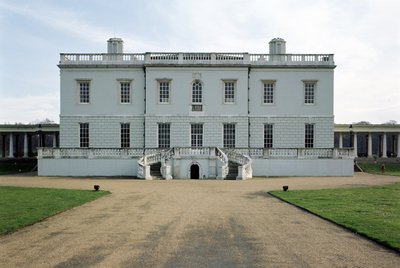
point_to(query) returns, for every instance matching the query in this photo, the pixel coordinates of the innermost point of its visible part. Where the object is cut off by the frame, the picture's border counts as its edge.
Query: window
(125, 135)
(84, 135)
(229, 135)
(268, 136)
(309, 136)
(269, 92)
(197, 135)
(197, 94)
(309, 92)
(163, 93)
(229, 91)
(125, 92)
(163, 135)
(84, 94)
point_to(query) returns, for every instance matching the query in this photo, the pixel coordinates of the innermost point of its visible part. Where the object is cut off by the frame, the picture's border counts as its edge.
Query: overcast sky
(364, 35)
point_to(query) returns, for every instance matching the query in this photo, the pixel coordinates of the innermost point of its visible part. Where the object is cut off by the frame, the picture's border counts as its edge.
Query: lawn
(373, 212)
(20, 207)
(390, 168)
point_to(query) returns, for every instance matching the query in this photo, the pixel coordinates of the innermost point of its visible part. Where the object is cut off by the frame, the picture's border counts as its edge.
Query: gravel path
(190, 224)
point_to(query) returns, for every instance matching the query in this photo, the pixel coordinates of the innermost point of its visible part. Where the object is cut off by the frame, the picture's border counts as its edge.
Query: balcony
(208, 59)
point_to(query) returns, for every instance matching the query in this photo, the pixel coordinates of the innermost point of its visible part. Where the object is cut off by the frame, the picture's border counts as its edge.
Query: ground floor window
(164, 135)
(268, 136)
(309, 136)
(125, 135)
(196, 135)
(229, 136)
(84, 135)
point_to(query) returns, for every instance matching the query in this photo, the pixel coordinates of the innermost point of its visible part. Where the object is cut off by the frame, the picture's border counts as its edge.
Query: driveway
(191, 224)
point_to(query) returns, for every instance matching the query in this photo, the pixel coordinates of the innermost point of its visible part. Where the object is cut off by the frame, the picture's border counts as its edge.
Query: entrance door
(194, 172)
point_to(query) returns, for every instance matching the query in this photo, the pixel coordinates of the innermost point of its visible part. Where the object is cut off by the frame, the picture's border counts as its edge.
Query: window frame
(123, 99)
(164, 135)
(268, 97)
(125, 135)
(197, 92)
(160, 82)
(233, 88)
(229, 139)
(84, 132)
(268, 135)
(309, 135)
(196, 135)
(84, 97)
(309, 93)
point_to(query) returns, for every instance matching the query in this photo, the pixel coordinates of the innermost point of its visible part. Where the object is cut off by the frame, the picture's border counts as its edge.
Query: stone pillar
(355, 145)
(384, 146)
(54, 140)
(26, 144)
(340, 140)
(370, 145)
(398, 145)
(11, 146)
(3, 146)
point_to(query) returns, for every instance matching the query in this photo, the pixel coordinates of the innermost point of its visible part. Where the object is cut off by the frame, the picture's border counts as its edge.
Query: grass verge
(20, 206)
(373, 212)
(392, 169)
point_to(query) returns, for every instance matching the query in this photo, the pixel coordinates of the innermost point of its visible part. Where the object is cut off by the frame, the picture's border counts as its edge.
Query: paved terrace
(191, 224)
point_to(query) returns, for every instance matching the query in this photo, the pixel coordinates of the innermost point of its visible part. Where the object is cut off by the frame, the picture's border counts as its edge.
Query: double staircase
(231, 165)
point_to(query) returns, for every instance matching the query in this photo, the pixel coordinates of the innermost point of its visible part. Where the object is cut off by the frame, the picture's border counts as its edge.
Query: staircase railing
(224, 160)
(245, 170)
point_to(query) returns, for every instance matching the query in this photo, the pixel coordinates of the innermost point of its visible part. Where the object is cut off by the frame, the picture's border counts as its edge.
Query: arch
(194, 172)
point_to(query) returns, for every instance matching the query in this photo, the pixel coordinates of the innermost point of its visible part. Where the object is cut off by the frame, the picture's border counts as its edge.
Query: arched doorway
(194, 172)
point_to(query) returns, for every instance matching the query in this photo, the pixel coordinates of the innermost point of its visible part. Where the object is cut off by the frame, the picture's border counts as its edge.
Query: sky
(364, 35)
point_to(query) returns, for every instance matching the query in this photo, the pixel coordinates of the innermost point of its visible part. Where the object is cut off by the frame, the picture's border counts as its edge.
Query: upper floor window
(229, 91)
(84, 91)
(197, 92)
(268, 136)
(125, 92)
(196, 131)
(125, 135)
(309, 92)
(229, 136)
(269, 88)
(164, 91)
(309, 136)
(84, 135)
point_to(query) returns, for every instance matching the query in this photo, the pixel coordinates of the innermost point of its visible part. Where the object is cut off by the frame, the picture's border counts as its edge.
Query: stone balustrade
(155, 58)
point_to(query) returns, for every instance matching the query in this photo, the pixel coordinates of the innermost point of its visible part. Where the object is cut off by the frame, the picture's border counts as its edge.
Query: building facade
(203, 115)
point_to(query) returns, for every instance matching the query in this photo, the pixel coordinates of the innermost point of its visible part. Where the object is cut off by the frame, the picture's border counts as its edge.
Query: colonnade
(370, 141)
(22, 140)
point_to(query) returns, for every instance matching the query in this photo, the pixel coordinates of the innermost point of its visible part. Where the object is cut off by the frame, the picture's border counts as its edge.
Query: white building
(196, 115)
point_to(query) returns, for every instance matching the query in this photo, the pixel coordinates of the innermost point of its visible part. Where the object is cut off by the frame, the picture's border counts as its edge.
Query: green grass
(390, 168)
(373, 212)
(20, 207)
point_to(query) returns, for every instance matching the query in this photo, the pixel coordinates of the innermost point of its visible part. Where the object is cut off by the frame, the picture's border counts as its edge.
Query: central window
(229, 91)
(125, 135)
(163, 135)
(197, 92)
(164, 91)
(84, 135)
(229, 135)
(196, 135)
(125, 92)
(84, 93)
